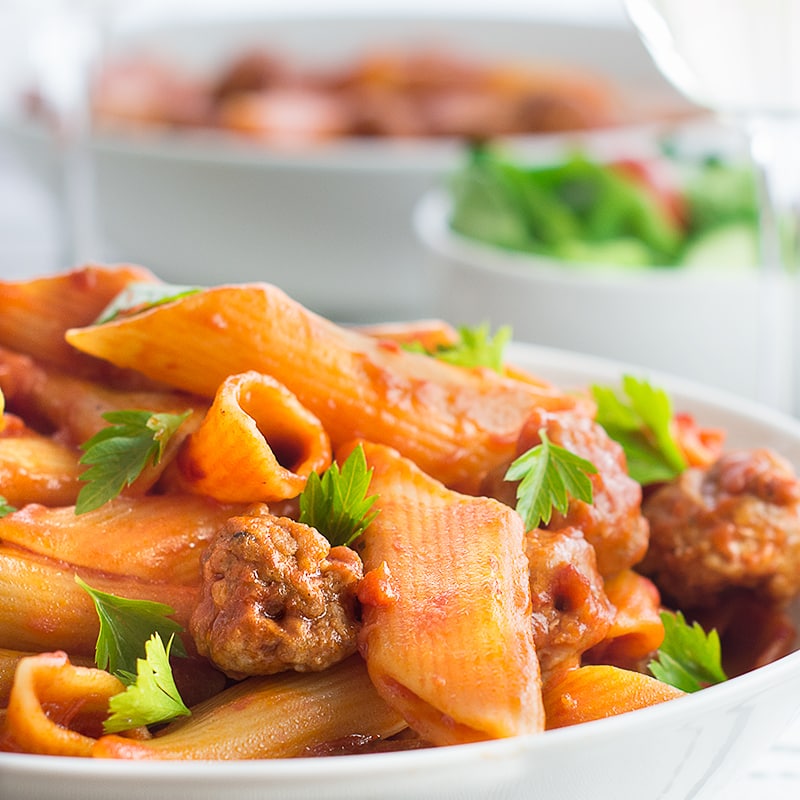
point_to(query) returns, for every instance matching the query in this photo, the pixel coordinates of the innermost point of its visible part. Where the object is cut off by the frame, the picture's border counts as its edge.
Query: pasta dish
(232, 529)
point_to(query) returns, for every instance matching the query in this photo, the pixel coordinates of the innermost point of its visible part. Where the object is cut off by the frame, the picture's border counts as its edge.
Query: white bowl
(331, 226)
(700, 323)
(693, 747)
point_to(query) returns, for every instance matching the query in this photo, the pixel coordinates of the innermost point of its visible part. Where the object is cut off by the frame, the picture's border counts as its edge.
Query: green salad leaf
(689, 658)
(642, 425)
(548, 476)
(337, 504)
(120, 452)
(151, 695)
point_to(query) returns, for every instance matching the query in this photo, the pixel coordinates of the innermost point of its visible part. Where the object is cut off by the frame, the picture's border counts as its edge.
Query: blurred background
(517, 163)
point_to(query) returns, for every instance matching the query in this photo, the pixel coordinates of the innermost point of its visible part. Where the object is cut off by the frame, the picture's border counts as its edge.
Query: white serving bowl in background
(700, 323)
(332, 226)
(692, 747)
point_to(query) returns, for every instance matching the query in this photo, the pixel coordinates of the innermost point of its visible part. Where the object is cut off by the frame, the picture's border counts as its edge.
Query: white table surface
(31, 244)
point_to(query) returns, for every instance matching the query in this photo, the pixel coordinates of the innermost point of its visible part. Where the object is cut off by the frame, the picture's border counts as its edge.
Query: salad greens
(629, 213)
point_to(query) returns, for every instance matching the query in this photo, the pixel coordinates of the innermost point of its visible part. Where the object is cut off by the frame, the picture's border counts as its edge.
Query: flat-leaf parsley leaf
(119, 453)
(689, 658)
(152, 696)
(643, 427)
(125, 625)
(336, 504)
(476, 347)
(548, 475)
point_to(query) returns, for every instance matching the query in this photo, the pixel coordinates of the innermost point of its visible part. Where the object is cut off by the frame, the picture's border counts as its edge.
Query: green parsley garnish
(5, 507)
(548, 475)
(139, 296)
(688, 658)
(476, 347)
(151, 696)
(336, 504)
(119, 453)
(125, 625)
(642, 427)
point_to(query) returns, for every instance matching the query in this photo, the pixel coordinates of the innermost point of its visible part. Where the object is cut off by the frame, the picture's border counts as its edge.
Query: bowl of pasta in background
(693, 746)
(327, 217)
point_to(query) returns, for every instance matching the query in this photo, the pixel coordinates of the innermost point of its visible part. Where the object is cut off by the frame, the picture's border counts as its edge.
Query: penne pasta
(597, 691)
(636, 631)
(34, 314)
(152, 537)
(36, 468)
(55, 707)
(43, 609)
(446, 603)
(255, 443)
(455, 423)
(280, 716)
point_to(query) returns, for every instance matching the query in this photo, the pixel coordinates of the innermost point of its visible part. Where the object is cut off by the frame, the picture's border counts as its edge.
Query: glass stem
(773, 142)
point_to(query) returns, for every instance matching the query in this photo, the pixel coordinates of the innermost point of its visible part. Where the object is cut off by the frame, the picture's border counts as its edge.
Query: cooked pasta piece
(455, 423)
(36, 468)
(446, 608)
(44, 609)
(56, 708)
(153, 538)
(35, 313)
(255, 443)
(597, 691)
(74, 406)
(637, 630)
(279, 716)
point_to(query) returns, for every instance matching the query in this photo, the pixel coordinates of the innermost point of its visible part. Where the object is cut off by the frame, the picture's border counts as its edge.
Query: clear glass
(741, 59)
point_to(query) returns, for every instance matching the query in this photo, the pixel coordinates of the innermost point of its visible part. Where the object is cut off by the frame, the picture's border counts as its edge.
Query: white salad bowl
(331, 225)
(691, 747)
(698, 322)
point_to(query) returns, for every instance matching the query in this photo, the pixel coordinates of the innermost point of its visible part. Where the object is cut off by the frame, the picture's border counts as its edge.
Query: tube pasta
(34, 314)
(636, 631)
(257, 442)
(54, 706)
(43, 609)
(456, 424)
(447, 634)
(279, 716)
(152, 537)
(596, 691)
(36, 468)
(75, 406)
